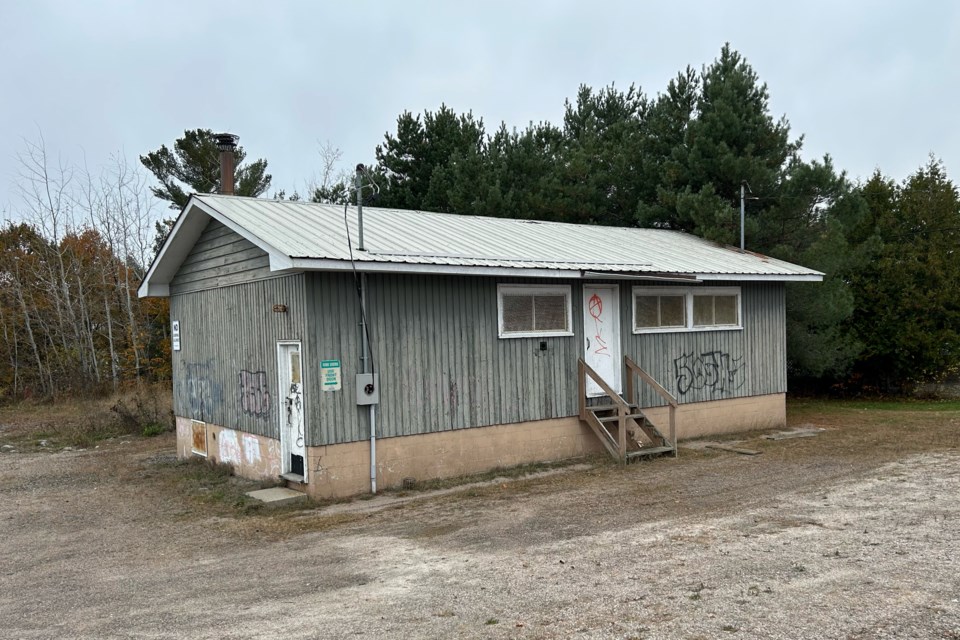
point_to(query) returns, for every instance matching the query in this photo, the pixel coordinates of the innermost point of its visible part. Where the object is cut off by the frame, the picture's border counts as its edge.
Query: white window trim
(525, 289)
(687, 293)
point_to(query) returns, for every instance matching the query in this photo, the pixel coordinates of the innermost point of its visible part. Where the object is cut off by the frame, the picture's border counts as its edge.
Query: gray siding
(711, 365)
(443, 367)
(440, 361)
(226, 370)
(220, 258)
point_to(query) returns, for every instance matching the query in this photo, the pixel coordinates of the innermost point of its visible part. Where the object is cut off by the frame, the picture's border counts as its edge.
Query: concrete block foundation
(340, 470)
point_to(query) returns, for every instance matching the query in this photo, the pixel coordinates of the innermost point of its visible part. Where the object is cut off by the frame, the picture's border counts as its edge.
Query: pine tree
(194, 163)
(416, 162)
(907, 302)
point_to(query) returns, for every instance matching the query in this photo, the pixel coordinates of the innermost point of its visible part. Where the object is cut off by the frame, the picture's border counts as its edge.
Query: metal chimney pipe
(227, 144)
(358, 183)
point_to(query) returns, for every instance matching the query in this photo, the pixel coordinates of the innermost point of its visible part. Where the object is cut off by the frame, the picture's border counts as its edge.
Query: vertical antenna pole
(742, 196)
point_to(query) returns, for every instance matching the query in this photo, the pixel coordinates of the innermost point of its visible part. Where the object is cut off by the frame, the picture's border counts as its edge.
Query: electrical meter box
(368, 388)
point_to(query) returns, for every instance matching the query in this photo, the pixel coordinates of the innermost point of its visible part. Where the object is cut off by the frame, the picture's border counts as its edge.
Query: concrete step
(277, 496)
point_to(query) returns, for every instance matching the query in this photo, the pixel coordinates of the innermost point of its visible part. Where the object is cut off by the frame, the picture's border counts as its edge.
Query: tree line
(885, 317)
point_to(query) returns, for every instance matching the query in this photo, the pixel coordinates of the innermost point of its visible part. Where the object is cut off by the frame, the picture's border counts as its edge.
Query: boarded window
(534, 311)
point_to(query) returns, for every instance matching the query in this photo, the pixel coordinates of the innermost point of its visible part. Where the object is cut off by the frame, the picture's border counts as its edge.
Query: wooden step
(649, 451)
(635, 416)
(610, 407)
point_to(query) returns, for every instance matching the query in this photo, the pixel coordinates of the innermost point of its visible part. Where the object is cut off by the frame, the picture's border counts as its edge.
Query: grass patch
(83, 422)
(212, 484)
(877, 430)
(896, 404)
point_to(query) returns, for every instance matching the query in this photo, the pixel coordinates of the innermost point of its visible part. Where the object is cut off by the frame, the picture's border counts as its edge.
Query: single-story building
(346, 353)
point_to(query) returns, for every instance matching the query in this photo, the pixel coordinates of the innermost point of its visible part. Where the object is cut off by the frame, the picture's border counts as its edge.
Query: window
(715, 310)
(656, 312)
(659, 309)
(528, 311)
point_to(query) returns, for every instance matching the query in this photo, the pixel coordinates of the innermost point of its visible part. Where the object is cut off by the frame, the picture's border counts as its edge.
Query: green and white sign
(330, 375)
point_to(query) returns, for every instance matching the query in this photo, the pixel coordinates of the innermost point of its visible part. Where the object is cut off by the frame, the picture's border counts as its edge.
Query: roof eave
(191, 222)
(367, 266)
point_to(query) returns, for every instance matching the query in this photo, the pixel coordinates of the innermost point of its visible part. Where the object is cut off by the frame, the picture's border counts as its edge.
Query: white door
(601, 332)
(292, 445)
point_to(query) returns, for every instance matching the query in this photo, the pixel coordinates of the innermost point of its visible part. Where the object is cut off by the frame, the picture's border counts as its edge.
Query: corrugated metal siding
(440, 361)
(220, 258)
(712, 365)
(230, 330)
(333, 334)
(443, 367)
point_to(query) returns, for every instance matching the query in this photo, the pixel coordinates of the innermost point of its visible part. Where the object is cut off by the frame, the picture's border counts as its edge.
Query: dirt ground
(854, 533)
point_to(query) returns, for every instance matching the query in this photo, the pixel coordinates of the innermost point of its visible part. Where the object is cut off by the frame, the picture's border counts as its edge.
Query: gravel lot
(810, 539)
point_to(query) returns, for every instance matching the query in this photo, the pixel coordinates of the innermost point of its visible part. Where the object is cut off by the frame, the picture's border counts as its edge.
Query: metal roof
(301, 235)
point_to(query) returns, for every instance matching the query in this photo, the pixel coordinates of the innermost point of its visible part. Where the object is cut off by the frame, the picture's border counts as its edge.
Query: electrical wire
(356, 282)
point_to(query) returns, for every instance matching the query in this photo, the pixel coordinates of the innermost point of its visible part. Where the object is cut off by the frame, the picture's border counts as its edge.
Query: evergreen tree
(907, 303)
(193, 166)
(722, 139)
(602, 152)
(194, 163)
(415, 162)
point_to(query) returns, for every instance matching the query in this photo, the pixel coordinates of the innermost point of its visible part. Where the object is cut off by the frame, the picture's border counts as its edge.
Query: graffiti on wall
(273, 457)
(251, 449)
(595, 308)
(714, 371)
(202, 393)
(254, 393)
(295, 412)
(229, 447)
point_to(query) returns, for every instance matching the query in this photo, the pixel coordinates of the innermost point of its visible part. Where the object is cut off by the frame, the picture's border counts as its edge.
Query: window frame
(534, 290)
(688, 294)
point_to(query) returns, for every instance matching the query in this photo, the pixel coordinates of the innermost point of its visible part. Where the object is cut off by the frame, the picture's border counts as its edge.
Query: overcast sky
(874, 84)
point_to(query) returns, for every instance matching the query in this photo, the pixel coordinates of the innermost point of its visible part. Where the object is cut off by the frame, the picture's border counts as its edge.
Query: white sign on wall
(175, 335)
(330, 375)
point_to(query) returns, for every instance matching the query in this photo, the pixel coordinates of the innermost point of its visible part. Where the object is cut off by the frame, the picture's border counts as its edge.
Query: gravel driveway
(799, 542)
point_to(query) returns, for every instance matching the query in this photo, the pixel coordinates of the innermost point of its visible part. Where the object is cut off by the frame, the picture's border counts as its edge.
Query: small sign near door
(330, 375)
(175, 335)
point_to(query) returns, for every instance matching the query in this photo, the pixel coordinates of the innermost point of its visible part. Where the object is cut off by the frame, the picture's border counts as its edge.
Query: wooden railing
(633, 369)
(616, 448)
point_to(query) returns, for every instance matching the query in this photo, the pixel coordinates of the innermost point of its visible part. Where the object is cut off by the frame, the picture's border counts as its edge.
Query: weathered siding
(220, 258)
(443, 367)
(440, 361)
(226, 370)
(711, 365)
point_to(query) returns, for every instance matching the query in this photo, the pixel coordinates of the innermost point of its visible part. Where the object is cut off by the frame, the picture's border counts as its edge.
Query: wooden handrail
(623, 405)
(634, 368)
(585, 370)
(607, 389)
(646, 377)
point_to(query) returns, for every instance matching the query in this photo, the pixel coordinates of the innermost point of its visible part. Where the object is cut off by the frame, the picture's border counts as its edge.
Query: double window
(532, 311)
(526, 311)
(658, 309)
